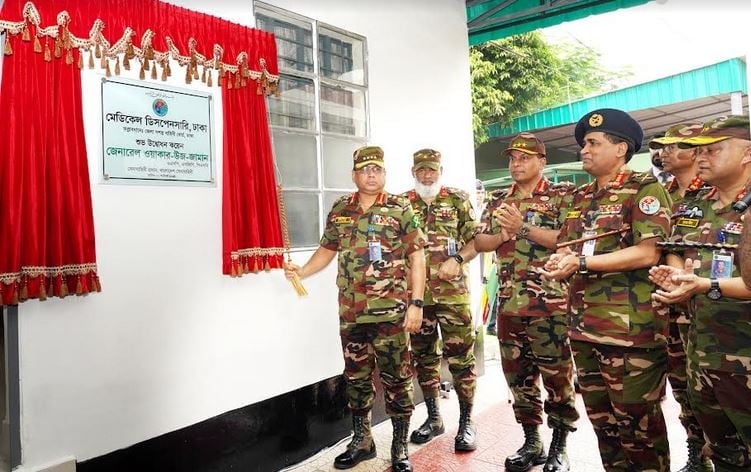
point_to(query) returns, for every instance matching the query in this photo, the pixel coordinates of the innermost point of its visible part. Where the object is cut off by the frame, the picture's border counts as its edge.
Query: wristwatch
(714, 290)
(583, 265)
(523, 231)
(417, 302)
(459, 258)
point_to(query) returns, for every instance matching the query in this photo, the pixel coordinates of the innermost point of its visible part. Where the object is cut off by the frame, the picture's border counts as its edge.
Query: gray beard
(427, 191)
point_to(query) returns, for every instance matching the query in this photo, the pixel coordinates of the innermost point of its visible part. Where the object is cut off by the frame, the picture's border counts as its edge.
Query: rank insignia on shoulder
(342, 220)
(573, 214)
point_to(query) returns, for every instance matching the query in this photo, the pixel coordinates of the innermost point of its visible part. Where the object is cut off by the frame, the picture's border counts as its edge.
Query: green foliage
(522, 74)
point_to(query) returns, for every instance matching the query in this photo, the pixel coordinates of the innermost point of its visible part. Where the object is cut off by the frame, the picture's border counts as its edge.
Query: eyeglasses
(367, 170)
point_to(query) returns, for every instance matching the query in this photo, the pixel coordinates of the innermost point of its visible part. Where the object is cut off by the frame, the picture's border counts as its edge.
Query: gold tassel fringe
(26, 36)
(47, 53)
(117, 65)
(98, 51)
(208, 79)
(8, 50)
(91, 59)
(69, 57)
(153, 72)
(37, 45)
(107, 68)
(80, 60)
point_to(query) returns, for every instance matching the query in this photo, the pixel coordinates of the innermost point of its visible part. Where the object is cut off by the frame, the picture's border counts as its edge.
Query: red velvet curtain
(46, 225)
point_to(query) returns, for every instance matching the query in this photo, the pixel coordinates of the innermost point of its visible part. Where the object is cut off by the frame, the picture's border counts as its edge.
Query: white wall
(170, 341)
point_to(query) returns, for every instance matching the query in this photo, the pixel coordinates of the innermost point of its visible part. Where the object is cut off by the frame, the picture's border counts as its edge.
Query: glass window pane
(337, 161)
(340, 56)
(302, 218)
(294, 39)
(329, 198)
(343, 110)
(295, 155)
(295, 107)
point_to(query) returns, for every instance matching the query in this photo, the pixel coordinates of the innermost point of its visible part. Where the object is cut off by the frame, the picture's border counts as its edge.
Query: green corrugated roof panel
(717, 79)
(522, 16)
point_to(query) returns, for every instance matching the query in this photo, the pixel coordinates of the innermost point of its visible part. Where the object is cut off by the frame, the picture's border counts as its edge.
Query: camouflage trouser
(386, 344)
(677, 375)
(458, 343)
(722, 404)
(532, 347)
(621, 388)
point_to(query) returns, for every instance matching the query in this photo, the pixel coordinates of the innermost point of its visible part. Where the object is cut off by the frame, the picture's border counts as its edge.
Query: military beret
(427, 158)
(527, 143)
(675, 134)
(720, 129)
(611, 121)
(366, 156)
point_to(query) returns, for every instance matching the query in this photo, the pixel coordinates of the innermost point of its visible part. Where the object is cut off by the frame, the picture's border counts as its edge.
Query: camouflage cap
(367, 155)
(720, 129)
(427, 158)
(610, 121)
(677, 133)
(527, 143)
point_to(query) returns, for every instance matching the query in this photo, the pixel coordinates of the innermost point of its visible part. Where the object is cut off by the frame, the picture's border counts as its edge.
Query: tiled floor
(498, 434)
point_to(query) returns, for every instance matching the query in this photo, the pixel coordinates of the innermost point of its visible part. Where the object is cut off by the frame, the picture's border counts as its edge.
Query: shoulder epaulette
(565, 185)
(457, 191)
(397, 200)
(498, 194)
(703, 188)
(643, 178)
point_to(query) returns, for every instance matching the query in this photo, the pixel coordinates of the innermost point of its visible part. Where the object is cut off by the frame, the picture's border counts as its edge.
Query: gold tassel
(208, 80)
(167, 66)
(103, 62)
(37, 45)
(229, 82)
(203, 75)
(63, 287)
(98, 51)
(58, 49)
(107, 68)
(126, 62)
(195, 73)
(43, 289)
(80, 60)
(142, 73)
(69, 57)
(237, 80)
(8, 50)
(79, 286)
(26, 36)
(259, 90)
(145, 63)
(164, 73)
(47, 53)
(117, 65)
(244, 82)
(91, 59)
(153, 72)
(24, 291)
(188, 75)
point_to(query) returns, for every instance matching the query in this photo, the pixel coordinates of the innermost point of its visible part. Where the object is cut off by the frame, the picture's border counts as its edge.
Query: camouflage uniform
(617, 338)
(449, 217)
(678, 335)
(532, 311)
(373, 297)
(719, 347)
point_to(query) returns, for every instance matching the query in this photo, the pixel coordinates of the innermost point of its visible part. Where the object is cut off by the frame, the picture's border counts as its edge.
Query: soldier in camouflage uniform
(378, 238)
(522, 225)
(448, 220)
(617, 338)
(684, 183)
(719, 347)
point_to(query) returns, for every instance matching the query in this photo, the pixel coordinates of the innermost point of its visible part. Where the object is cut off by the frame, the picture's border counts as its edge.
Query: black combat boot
(361, 447)
(557, 457)
(432, 427)
(399, 457)
(465, 439)
(531, 453)
(697, 462)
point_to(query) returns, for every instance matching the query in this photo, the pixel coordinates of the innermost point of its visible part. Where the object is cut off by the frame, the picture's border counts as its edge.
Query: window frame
(319, 80)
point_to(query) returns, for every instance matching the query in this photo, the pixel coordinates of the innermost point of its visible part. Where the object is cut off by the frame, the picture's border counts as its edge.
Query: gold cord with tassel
(58, 48)
(80, 60)
(164, 71)
(146, 65)
(91, 59)
(153, 71)
(142, 72)
(26, 36)
(69, 57)
(107, 68)
(98, 51)
(8, 50)
(117, 65)
(37, 45)
(296, 282)
(209, 82)
(47, 53)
